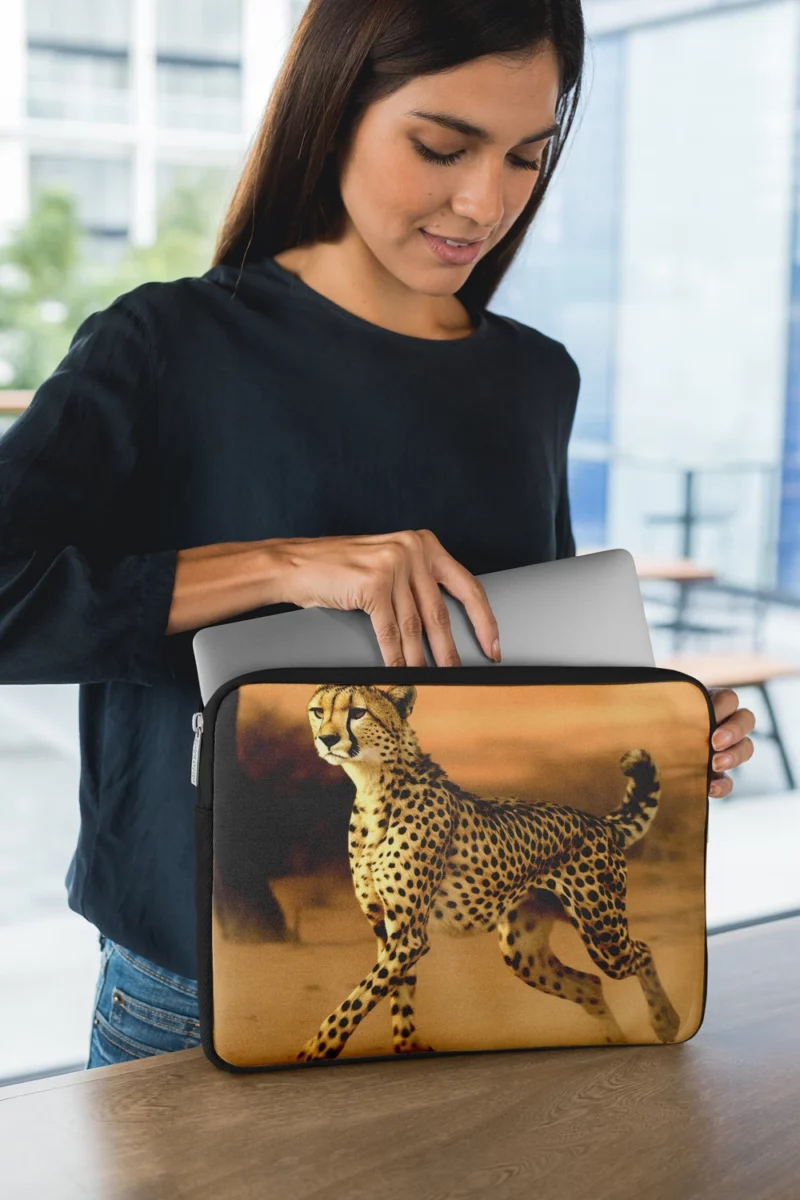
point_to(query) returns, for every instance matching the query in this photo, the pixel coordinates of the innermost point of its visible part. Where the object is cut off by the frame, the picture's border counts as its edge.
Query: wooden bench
(740, 669)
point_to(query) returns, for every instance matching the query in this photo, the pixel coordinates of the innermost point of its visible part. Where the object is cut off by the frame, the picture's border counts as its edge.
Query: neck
(374, 780)
(349, 275)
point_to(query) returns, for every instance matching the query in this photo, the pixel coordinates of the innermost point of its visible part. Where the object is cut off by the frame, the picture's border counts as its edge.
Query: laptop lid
(585, 610)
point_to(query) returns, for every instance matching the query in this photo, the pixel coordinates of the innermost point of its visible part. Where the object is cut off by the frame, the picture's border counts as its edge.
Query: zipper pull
(197, 726)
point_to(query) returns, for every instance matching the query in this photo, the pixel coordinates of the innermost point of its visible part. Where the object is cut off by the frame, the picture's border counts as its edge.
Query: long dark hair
(344, 56)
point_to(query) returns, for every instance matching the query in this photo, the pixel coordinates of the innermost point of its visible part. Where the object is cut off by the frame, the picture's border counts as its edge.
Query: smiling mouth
(457, 241)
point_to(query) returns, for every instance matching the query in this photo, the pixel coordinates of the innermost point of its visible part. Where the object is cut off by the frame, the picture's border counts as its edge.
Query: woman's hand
(395, 579)
(729, 738)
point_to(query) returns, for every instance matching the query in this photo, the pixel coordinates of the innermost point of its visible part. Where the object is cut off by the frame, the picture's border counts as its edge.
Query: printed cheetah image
(426, 855)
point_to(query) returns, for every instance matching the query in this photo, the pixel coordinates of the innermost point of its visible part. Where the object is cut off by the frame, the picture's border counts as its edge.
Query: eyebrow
(447, 121)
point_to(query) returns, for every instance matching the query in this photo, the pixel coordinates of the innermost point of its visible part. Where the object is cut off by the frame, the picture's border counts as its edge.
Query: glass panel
(209, 187)
(199, 97)
(101, 186)
(78, 87)
(91, 22)
(200, 28)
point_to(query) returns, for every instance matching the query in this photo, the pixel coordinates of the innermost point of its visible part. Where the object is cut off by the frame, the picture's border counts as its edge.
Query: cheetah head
(361, 726)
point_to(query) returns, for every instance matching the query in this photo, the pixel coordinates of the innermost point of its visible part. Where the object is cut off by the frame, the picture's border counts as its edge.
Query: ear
(402, 697)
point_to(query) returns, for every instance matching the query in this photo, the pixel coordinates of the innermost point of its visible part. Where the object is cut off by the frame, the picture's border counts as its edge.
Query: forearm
(223, 580)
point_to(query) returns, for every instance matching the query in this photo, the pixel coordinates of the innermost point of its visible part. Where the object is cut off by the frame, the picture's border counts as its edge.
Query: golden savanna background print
(435, 867)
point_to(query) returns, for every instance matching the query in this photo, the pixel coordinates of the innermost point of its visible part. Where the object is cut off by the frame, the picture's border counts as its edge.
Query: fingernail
(722, 737)
(496, 650)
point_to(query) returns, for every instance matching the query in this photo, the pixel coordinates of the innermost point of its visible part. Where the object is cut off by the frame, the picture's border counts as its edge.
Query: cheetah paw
(667, 1024)
(310, 1051)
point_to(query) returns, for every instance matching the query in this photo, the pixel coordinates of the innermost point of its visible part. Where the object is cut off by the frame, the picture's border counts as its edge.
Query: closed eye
(447, 160)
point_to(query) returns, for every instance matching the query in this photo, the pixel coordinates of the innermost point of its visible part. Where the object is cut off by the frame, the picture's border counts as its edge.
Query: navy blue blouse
(234, 407)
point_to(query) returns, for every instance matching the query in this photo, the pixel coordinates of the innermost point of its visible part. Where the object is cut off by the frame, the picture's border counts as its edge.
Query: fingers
(460, 583)
(387, 630)
(406, 601)
(740, 753)
(734, 729)
(726, 703)
(395, 613)
(436, 616)
(407, 611)
(721, 786)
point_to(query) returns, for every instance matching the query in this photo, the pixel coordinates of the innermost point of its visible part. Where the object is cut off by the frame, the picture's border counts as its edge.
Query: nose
(330, 739)
(482, 201)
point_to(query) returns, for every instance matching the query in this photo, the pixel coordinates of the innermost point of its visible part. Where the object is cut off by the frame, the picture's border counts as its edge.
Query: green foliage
(50, 281)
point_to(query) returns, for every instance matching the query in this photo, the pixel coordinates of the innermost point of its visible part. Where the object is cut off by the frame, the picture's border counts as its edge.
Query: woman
(328, 417)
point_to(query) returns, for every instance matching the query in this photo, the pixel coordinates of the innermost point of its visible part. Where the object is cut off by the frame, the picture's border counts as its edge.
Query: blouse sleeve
(81, 600)
(565, 540)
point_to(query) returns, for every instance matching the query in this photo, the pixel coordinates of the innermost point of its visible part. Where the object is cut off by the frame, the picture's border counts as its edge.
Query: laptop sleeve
(417, 861)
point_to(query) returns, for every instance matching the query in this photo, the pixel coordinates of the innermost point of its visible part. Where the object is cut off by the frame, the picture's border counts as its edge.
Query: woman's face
(392, 190)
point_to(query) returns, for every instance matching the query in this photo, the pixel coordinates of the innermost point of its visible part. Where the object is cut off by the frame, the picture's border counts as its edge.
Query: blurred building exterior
(663, 257)
(666, 260)
(119, 99)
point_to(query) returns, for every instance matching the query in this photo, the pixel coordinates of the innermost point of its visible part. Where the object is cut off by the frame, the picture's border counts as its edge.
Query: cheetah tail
(632, 819)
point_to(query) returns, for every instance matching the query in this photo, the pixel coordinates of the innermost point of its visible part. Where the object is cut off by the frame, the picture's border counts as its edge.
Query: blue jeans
(140, 1009)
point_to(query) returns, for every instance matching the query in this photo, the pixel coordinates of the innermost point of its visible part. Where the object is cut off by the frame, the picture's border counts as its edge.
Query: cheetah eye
(357, 712)
(316, 711)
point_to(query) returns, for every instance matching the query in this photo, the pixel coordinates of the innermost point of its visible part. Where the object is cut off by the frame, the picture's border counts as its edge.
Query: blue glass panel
(788, 550)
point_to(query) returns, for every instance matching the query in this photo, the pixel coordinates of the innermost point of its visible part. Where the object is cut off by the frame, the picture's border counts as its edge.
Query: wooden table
(677, 570)
(13, 403)
(714, 1118)
(739, 669)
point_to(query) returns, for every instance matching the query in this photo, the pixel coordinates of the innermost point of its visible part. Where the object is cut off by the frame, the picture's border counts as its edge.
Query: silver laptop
(581, 611)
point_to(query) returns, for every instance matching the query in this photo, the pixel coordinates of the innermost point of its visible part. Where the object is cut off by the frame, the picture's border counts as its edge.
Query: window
(101, 186)
(78, 62)
(203, 28)
(92, 22)
(673, 284)
(78, 87)
(198, 65)
(196, 95)
(207, 187)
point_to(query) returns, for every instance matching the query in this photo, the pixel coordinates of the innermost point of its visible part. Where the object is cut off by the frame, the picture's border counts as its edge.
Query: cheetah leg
(525, 942)
(663, 1017)
(636, 958)
(402, 999)
(403, 1027)
(607, 938)
(402, 952)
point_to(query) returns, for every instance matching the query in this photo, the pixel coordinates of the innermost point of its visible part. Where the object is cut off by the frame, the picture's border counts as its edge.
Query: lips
(452, 238)
(452, 255)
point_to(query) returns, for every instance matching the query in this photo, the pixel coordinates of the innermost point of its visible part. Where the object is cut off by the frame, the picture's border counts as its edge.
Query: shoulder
(192, 305)
(547, 351)
(155, 302)
(550, 357)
